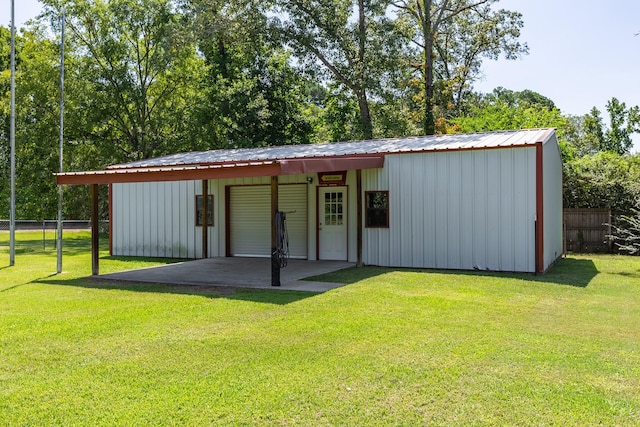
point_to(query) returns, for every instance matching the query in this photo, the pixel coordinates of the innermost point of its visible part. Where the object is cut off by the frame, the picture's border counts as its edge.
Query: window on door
(377, 209)
(333, 208)
(200, 210)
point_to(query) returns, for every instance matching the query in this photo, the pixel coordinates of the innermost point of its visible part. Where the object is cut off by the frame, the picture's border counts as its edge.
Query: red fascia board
(113, 176)
(332, 164)
(228, 170)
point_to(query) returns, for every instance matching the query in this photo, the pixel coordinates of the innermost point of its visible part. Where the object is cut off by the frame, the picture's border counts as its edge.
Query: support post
(275, 267)
(359, 217)
(205, 218)
(12, 142)
(95, 232)
(61, 143)
(539, 210)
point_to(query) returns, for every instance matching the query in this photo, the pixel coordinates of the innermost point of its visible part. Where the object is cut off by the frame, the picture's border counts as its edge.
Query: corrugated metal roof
(504, 139)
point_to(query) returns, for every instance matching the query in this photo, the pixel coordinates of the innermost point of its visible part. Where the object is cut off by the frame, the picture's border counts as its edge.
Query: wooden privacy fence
(586, 230)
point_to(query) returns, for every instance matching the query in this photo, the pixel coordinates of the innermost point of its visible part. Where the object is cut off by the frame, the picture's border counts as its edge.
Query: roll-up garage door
(250, 219)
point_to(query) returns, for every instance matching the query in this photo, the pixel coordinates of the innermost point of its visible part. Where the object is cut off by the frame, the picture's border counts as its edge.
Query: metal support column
(61, 143)
(95, 232)
(12, 139)
(205, 218)
(359, 217)
(275, 266)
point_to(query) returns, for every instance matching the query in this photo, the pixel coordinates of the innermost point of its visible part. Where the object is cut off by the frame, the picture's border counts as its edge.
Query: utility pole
(59, 245)
(12, 138)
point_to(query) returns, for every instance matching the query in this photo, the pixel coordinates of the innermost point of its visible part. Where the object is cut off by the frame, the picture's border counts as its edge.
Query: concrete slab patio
(253, 273)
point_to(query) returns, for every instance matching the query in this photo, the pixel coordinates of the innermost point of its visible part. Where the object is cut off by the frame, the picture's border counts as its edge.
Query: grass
(394, 347)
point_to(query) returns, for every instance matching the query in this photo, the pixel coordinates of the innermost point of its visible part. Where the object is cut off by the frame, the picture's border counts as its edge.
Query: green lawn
(394, 347)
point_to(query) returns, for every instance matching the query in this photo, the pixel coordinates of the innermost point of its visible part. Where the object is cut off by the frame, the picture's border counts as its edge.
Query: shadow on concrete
(567, 271)
(142, 260)
(263, 296)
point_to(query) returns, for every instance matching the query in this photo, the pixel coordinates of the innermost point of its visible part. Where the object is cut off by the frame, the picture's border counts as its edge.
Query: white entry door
(332, 223)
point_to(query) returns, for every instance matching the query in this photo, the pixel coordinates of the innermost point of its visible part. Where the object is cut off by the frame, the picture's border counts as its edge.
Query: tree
(37, 97)
(253, 95)
(353, 43)
(504, 109)
(140, 66)
(626, 234)
(5, 85)
(624, 122)
(602, 180)
(452, 37)
(617, 137)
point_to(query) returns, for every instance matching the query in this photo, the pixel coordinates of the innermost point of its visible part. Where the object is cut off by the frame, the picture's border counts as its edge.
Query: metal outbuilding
(485, 201)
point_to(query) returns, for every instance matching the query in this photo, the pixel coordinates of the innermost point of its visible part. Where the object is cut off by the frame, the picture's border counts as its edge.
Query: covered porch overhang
(221, 170)
(205, 172)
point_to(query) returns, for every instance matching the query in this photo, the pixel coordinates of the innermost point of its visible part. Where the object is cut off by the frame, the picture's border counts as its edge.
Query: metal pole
(12, 138)
(59, 234)
(275, 266)
(95, 232)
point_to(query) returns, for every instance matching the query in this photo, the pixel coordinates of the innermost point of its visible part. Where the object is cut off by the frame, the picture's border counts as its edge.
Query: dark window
(200, 210)
(377, 209)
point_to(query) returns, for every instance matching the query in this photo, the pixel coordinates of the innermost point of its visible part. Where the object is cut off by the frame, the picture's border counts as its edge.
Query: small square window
(376, 209)
(200, 210)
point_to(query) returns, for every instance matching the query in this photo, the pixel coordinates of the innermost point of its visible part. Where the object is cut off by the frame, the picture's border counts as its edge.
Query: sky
(581, 52)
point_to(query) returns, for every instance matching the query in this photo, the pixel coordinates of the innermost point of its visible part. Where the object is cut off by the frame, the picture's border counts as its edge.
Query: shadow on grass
(632, 275)
(17, 285)
(263, 296)
(567, 271)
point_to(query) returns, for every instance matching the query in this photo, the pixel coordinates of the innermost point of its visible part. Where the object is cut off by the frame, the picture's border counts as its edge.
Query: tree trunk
(429, 126)
(363, 103)
(365, 115)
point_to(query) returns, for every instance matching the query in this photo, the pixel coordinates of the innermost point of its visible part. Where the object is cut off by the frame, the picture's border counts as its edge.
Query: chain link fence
(43, 235)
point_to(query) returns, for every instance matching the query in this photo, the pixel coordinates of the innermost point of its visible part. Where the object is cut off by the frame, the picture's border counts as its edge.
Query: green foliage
(253, 96)
(451, 39)
(138, 67)
(624, 122)
(506, 110)
(354, 44)
(594, 135)
(341, 117)
(468, 38)
(37, 98)
(602, 180)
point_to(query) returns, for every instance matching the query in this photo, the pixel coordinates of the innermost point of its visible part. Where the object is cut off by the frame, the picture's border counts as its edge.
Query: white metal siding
(456, 210)
(552, 205)
(157, 219)
(250, 219)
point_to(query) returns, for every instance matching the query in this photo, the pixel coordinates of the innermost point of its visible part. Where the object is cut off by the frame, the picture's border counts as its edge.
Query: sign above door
(332, 179)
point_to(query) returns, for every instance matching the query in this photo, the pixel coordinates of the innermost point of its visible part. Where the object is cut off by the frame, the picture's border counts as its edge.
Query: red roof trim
(298, 166)
(175, 173)
(220, 171)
